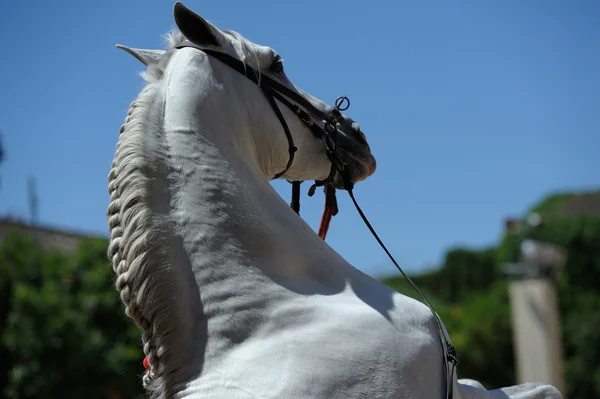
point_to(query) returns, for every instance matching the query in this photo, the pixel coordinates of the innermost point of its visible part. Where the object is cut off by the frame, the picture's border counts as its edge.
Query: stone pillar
(536, 332)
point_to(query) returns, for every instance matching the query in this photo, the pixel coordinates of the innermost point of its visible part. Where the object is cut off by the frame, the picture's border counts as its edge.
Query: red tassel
(331, 209)
(325, 220)
(146, 364)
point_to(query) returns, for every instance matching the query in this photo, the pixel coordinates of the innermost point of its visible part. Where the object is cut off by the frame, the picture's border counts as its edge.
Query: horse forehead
(254, 48)
(261, 51)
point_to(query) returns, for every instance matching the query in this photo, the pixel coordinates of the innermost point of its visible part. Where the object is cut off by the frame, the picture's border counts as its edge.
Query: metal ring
(339, 103)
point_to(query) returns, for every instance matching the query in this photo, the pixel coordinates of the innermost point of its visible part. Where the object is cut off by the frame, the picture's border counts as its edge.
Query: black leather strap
(295, 204)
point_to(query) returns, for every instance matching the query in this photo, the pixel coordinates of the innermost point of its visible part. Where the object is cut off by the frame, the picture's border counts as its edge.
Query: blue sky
(475, 110)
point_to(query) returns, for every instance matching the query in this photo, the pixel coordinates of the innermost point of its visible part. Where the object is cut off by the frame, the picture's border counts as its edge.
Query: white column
(536, 332)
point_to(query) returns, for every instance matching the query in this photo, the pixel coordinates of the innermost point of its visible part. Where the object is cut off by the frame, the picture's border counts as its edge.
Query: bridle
(273, 91)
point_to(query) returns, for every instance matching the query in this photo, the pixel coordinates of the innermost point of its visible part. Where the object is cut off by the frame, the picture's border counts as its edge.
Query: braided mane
(139, 243)
(131, 228)
(137, 231)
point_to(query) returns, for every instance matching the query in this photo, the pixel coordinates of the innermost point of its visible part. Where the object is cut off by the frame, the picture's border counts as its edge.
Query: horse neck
(201, 243)
(237, 231)
(219, 171)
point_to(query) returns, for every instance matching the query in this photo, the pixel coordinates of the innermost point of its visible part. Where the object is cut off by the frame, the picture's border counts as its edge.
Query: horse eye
(277, 66)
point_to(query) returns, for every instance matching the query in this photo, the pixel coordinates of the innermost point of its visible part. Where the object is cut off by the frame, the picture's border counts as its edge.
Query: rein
(274, 90)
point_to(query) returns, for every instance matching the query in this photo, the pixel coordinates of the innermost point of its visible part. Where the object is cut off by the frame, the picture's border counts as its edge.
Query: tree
(63, 328)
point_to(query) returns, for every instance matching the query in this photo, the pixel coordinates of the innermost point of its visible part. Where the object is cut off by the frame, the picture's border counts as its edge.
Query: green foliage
(464, 272)
(552, 204)
(62, 327)
(482, 335)
(581, 330)
(579, 301)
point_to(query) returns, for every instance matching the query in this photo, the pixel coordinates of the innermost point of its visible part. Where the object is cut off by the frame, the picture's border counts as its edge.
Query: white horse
(236, 295)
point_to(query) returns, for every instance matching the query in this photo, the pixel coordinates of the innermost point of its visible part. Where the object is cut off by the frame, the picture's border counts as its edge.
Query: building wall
(51, 239)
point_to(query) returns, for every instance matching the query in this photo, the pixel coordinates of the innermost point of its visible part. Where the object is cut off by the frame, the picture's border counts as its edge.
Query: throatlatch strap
(292, 149)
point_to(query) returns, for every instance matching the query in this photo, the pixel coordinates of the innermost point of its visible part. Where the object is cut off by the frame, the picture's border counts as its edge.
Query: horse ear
(147, 57)
(195, 28)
